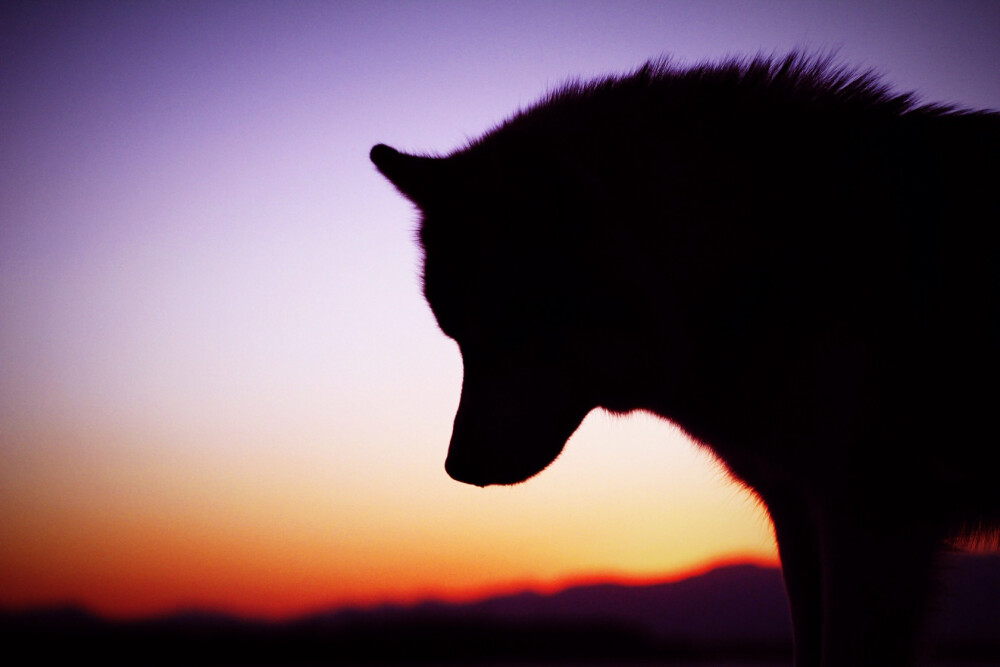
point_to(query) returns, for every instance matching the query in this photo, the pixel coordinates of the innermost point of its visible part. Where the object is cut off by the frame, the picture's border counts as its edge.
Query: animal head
(571, 251)
(515, 272)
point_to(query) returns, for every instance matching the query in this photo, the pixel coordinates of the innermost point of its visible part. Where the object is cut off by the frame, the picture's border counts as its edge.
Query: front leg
(876, 580)
(798, 548)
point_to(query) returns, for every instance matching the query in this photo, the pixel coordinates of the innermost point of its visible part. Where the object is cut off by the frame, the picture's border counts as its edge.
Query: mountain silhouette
(735, 604)
(736, 611)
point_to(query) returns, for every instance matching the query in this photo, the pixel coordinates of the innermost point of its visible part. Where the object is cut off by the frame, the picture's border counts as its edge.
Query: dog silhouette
(790, 261)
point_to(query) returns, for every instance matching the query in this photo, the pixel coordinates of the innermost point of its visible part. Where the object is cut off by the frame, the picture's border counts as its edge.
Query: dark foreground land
(732, 614)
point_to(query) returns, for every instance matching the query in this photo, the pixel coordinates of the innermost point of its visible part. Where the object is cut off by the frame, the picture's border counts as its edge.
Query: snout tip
(464, 473)
(479, 473)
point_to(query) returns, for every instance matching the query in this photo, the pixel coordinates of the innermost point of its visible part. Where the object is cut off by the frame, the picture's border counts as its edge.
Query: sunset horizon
(291, 611)
(221, 388)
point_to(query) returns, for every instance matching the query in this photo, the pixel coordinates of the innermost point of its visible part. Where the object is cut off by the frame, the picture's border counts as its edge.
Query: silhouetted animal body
(789, 261)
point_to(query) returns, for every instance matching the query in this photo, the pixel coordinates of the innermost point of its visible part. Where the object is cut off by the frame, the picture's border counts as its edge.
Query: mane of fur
(757, 86)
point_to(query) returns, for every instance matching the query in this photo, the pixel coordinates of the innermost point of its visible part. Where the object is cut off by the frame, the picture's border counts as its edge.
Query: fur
(792, 262)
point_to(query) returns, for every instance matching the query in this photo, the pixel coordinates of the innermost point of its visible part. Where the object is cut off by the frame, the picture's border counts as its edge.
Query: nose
(512, 421)
(467, 472)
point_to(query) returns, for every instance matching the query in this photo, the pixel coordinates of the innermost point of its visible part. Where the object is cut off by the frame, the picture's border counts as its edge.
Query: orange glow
(131, 531)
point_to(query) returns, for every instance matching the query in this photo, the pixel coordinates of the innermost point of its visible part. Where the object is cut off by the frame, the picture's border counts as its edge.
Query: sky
(220, 387)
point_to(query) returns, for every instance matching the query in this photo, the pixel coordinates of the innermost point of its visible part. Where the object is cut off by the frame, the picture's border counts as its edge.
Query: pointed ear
(417, 177)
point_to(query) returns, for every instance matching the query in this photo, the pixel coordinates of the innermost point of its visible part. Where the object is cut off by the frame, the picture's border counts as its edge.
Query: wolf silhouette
(793, 263)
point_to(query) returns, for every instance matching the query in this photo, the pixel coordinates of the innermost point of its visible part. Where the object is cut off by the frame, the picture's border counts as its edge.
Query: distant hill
(734, 604)
(735, 611)
(744, 603)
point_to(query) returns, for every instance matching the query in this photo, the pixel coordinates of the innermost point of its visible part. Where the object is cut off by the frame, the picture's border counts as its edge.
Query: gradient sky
(219, 384)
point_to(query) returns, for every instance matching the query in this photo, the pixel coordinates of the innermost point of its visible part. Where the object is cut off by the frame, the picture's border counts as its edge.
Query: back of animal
(796, 265)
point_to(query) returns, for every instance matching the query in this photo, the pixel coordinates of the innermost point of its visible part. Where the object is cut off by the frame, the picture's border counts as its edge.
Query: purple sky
(210, 317)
